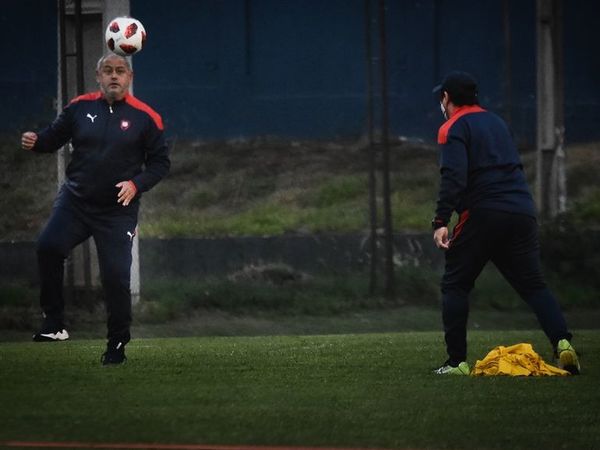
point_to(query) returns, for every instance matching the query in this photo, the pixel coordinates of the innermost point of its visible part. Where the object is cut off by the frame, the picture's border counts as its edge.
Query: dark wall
(28, 44)
(582, 69)
(260, 67)
(221, 69)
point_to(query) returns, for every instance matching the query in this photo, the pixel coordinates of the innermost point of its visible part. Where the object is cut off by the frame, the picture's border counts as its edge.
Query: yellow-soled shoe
(447, 369)
(567, 357)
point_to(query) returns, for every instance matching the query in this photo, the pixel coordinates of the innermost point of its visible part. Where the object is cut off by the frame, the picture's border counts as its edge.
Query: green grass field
(348, 390)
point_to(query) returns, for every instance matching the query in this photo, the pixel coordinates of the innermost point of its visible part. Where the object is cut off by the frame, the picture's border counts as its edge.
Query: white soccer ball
(125, 36)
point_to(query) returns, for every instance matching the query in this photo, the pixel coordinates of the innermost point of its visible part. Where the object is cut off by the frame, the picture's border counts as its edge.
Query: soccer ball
(125, 36)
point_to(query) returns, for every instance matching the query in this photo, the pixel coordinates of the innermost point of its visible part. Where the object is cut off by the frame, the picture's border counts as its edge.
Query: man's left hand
(127, 191)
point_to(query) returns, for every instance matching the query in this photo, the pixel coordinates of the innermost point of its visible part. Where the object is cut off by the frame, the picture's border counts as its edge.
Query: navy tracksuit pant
(510, 241)
(73, 221)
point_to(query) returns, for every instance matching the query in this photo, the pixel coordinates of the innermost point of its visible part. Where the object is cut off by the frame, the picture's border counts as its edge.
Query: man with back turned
(482, 180)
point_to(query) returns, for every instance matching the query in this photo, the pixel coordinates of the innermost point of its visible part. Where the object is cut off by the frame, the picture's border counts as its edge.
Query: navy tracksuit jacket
(480, 166)
(111, 143)
(482, 180)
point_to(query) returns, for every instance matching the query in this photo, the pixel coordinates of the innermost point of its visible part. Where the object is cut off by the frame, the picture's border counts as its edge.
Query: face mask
(445, 114)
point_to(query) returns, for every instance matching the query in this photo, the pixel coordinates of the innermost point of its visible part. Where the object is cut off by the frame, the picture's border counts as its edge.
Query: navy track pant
(511, 242)
(73, 221)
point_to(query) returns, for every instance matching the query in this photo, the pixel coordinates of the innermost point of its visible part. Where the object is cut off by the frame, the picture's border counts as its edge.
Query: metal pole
(63, 96)
(437, 41)
(247, 36)
(507, 63)
(544, 105)
(387, 204)
(85, 246)
(62, 52)
(372, 152)
(79, 46)
(62, 157)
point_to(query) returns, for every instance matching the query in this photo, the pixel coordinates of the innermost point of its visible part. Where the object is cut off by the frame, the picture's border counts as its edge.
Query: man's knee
(530, 286)
(116, 276)
(456, 288)
(49, 245)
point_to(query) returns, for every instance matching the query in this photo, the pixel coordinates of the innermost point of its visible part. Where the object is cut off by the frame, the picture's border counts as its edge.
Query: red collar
(457, 114)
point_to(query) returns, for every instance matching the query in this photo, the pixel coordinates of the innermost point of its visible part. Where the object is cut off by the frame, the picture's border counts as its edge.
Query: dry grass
(269, 186)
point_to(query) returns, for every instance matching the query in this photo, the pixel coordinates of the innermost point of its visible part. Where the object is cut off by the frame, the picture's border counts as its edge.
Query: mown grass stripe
(135, 445)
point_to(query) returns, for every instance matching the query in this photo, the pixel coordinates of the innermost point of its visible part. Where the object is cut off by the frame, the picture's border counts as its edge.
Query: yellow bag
(516, 360)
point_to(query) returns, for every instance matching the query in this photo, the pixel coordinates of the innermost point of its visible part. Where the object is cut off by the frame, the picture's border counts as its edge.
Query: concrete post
(551, 177)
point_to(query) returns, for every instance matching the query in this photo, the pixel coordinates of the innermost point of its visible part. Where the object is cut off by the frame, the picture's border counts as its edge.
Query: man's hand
(28, 140)
(440, 237)
(127, 191)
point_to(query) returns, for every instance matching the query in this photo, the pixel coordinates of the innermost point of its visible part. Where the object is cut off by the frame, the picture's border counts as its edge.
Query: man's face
(114, 78)
(444, 105)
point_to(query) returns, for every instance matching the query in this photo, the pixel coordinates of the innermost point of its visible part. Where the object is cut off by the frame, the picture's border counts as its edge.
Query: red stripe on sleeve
(138, 104)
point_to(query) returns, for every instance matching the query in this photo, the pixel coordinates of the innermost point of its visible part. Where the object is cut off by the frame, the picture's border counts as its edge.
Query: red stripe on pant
(462, 219)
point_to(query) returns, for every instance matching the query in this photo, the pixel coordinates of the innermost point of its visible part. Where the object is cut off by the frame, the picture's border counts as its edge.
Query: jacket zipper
(103, 148)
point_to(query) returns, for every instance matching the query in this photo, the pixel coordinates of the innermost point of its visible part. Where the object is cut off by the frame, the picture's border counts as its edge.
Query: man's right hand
(28, 140)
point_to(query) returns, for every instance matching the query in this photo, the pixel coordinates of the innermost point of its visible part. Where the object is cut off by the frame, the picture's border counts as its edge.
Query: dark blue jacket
(111, 143)
(480, 166)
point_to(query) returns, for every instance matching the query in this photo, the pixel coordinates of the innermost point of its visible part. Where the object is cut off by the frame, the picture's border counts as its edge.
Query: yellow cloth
(516, 360)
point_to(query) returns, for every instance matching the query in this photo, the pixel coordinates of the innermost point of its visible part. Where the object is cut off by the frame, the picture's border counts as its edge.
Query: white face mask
(444, 112)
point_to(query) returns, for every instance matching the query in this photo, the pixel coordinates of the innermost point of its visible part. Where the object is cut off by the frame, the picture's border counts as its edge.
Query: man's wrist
(438, 223)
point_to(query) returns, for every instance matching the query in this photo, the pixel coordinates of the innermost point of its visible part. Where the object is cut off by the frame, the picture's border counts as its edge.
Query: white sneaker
(51, 336)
